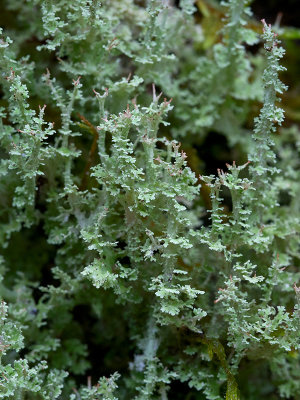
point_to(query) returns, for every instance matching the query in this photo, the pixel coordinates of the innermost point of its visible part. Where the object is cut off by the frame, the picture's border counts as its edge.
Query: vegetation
(150, 215)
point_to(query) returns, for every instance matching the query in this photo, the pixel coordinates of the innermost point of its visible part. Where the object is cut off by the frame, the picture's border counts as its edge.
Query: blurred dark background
(269, 9)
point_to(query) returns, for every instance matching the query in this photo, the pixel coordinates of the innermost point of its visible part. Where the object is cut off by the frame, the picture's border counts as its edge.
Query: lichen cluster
(128, 269)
